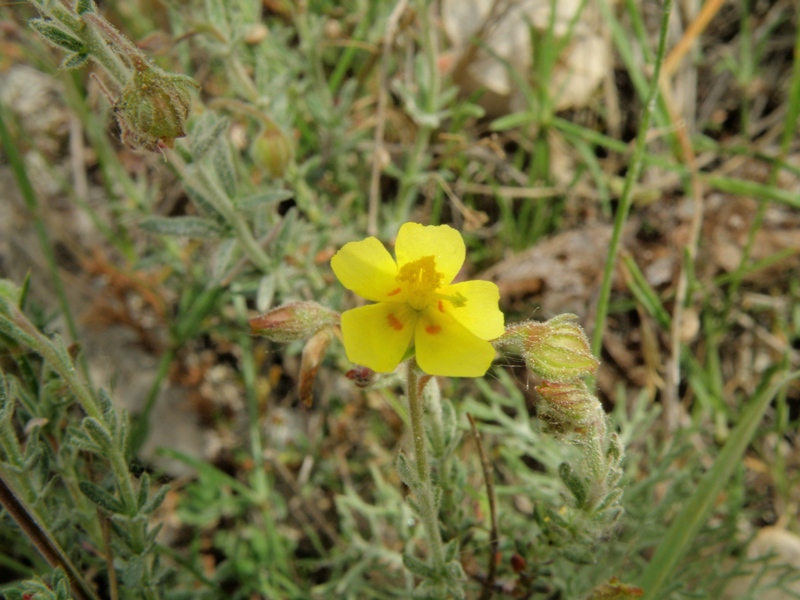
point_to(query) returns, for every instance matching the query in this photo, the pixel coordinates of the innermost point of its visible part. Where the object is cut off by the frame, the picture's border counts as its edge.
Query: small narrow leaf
(203, 203)
(58, 37)
(34, 450)
(266, 292)
(60, 583)
(101, 497)
(451, 550)
(62, 351)
(205, 134)
(513, 120)
(84, 6)
(122, 435)
(418, 568)
(122, 533)
(74, 61)
(98, 433)
(615, 449)
(6, 405)
(414, 506)
(574, 483)
(406, 472)
(224, 258)
(80, 440)
(150, 538)
(610, 516)
(225, 168)
(107, 407)
(155, 500)
(264, 199)
(580, 555)
(194, 227)
(164, 575)
(144, 491)
(133, 572)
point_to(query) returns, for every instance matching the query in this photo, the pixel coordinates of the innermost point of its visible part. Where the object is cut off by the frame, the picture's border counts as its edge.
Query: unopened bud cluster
(558, 352)
(300, 321)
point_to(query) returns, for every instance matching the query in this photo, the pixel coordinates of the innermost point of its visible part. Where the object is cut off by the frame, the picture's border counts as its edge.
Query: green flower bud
(293, 321)
(153, 108)
(556, 350)
(273, 150)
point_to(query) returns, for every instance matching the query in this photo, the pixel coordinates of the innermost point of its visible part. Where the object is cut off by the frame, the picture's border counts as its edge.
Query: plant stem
(45, 543)
(425, 494)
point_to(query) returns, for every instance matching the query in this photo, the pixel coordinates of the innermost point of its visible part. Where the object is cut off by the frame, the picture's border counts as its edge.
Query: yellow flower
(418, 309)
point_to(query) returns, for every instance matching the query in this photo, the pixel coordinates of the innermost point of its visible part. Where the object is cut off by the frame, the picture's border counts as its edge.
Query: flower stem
(425, 494)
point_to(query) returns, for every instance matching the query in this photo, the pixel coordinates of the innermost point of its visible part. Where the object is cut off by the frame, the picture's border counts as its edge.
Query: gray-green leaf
(194, 227)
(101, 497)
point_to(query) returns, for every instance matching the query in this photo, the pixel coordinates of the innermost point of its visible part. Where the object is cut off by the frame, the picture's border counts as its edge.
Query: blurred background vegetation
(527, 126)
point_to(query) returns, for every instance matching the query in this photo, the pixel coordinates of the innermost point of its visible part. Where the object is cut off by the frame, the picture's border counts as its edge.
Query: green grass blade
(646, 295)
(695, 512)
(631, 177)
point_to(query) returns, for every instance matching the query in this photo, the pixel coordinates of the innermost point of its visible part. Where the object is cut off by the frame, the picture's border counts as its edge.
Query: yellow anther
(420, 280)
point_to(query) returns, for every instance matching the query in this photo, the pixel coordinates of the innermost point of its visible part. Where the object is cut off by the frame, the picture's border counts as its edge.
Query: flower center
(420, 280)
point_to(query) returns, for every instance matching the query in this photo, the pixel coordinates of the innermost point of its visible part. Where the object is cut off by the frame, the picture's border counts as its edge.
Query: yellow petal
(377, 336)
(415, 241)
(366, 268)
(444, 347)
(475, 307)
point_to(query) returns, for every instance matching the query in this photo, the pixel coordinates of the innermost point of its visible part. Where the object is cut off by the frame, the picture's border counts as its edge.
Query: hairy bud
(556, 350)
(153, 107)
(293, 321)
(272, 150)
(569, 407)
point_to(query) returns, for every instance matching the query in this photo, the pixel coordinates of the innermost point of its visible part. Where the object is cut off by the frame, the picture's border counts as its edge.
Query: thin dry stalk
(697, 27)
(673, 375)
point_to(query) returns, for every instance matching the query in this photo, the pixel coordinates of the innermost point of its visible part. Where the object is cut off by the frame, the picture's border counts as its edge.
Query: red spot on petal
(393, 292)
(394, 323)
(432, 329)
(441, 306)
